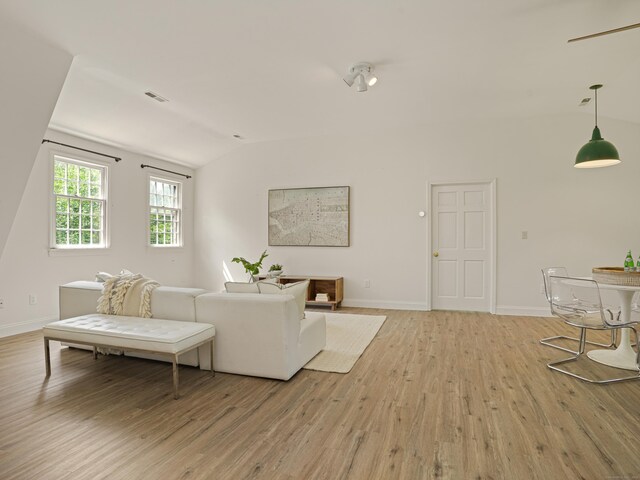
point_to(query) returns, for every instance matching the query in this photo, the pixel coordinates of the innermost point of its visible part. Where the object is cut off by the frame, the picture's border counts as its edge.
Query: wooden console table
(333, 286)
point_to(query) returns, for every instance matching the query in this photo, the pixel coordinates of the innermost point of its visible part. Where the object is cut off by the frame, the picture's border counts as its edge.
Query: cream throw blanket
(127, 294)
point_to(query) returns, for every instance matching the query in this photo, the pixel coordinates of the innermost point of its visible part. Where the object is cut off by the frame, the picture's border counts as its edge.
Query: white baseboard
(26, 326)
(384, 304)
(523, 311)
(391, 305)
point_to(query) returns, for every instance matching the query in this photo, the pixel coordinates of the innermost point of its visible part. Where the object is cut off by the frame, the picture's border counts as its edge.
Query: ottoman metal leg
(175, 377)
(213, 372)
(47, 357)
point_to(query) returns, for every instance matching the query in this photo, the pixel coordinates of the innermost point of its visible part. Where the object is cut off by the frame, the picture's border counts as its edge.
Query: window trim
(165, 179)
(82, 160)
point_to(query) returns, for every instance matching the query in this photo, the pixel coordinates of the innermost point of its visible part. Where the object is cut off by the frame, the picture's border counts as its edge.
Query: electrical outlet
(367, 284)
(33, 299)
(525, 235)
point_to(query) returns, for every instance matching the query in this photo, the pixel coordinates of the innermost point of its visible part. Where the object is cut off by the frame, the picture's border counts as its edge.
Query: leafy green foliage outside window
(78, 190)
(164, 213)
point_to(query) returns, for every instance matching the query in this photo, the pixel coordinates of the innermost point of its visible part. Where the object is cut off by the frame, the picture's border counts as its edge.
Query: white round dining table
(624, 356)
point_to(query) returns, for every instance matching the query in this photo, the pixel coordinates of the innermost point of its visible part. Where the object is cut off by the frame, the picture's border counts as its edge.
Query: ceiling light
(362, 75)
(370, 79)
(350, 78)
(597, 152)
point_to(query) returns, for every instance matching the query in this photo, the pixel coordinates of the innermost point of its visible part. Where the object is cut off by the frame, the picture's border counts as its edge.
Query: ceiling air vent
(155, 96)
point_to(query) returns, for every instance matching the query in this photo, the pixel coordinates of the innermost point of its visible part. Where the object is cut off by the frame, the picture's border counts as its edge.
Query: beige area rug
(348, 335)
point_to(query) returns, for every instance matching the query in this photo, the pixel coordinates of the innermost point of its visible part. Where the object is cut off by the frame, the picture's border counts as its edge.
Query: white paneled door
(462, 246)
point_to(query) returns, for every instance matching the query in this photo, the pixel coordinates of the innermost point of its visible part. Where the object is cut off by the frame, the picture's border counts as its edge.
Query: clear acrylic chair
(562, 272)
(578, 302)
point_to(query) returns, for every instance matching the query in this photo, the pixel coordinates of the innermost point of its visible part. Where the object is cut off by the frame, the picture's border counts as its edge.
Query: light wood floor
(436, 395)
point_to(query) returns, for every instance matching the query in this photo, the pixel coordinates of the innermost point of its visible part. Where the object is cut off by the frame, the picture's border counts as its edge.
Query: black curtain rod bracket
(117, 159)
(163, 170)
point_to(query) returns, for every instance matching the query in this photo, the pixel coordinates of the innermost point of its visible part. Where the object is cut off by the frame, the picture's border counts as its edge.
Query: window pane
(72, 188)
(83, 189)
(86, 237)
(95, 176)
(74, 221)
(59, 169)
(59, 187)
(62, 205)
(61, 237)
(86, 222)
(85, 207)
(94, 191)
(74, 237)
(95, 238)
(72, 171)
(62, 221)
(74, 205)
(95, 222)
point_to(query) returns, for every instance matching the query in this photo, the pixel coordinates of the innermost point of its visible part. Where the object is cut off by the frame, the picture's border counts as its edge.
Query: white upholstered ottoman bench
(164, 337)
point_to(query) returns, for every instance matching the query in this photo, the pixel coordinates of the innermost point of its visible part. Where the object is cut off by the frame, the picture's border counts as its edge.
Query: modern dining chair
(562, 272)
(578, 302)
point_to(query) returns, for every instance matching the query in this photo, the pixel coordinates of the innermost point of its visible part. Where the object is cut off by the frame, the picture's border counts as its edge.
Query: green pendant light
(597, 152)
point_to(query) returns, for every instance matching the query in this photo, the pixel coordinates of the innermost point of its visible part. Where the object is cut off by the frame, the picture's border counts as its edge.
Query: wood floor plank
(437, 395)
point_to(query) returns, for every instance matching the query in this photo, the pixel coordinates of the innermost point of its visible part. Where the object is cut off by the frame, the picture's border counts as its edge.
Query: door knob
(435, 254)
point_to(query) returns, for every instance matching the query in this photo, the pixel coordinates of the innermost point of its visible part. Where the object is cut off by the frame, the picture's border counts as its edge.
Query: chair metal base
(582, 341)
(547, 342)
(553, 366)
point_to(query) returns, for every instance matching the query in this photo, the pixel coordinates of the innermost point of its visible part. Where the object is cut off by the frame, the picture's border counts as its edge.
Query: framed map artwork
(313, 217)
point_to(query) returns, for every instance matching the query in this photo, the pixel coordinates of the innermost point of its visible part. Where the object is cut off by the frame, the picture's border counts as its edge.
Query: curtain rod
(163, 170)
(117, 159)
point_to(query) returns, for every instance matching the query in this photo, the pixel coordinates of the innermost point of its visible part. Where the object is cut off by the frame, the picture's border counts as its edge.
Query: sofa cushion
(241, 287)
(103, 277)
(297, 289)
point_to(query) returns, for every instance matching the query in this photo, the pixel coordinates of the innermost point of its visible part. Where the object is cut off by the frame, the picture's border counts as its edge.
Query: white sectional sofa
(256, 334)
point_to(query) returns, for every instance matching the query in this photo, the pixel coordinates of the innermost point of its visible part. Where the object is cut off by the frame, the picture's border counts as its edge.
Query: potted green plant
(253, 269)
(275, 270)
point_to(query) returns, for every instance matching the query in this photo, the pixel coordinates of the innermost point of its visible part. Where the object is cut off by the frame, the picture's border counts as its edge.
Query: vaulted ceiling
(269, 70)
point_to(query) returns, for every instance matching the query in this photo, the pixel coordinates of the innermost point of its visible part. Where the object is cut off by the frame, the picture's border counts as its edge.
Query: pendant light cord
(596, 107)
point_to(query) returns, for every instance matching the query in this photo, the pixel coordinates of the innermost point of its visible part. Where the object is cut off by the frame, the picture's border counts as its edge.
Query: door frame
(492, 229)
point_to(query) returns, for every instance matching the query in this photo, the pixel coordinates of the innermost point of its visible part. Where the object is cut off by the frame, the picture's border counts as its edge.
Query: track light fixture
(362, 75)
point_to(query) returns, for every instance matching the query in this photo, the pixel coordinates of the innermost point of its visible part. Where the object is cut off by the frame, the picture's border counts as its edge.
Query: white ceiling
(272, 69)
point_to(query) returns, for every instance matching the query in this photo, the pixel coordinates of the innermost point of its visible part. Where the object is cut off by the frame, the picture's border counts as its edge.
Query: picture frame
(311, 216)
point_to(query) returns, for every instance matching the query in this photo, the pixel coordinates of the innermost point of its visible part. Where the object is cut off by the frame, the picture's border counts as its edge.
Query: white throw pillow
(298, 290)
(241, 287)
(103, 276)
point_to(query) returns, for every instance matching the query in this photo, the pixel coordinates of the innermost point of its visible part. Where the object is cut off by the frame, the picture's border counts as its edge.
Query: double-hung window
(79, 204)
(165, 212)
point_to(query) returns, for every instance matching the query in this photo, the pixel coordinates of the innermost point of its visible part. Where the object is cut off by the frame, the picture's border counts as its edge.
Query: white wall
(26, 266)
(33, 73)
(577, 218)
